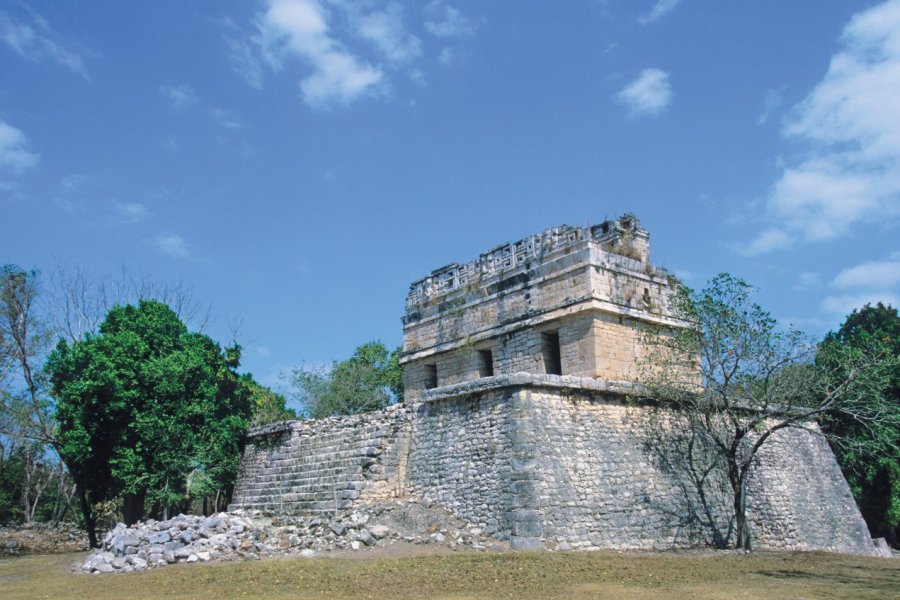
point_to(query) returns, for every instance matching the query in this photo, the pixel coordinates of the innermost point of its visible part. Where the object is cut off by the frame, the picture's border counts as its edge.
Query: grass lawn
(473, 575)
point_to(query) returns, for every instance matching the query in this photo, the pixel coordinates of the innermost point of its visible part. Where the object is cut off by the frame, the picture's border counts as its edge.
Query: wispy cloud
(228, 118)
(173, 245)
(845, 304)
(768, 240)
(659, 10)
(14, 153)
(850, 126)
(446, 21)
(385, 29)
(879, 274)
(447, 57)
(245, 60)
(771, 103)
(180, 97)
(34, 40)
(808, 280)
(868, 282)
(649, 94)
(129, 212)
(352, 49)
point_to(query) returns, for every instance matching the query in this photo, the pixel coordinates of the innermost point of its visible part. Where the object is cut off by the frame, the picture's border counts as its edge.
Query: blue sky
(300, 162)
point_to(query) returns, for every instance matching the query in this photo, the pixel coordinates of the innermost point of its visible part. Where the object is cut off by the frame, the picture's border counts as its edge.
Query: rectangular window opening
(551, 353)
(431, 380)
(486, 366)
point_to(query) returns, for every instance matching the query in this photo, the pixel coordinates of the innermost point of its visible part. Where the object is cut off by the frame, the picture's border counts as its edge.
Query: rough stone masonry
(517, 367)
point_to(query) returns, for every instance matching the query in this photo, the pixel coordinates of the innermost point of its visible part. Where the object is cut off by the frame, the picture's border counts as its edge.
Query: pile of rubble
(249, 535)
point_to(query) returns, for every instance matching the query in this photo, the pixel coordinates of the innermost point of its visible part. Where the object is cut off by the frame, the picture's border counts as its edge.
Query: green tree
(869, 452)
(143, 404)
(268, 406)
(737, 378)
(369, 380)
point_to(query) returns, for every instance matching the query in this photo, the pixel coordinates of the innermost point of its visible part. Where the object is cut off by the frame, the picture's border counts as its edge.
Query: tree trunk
(740, 515)
(26, 485)
(87, 513)
(133, 508)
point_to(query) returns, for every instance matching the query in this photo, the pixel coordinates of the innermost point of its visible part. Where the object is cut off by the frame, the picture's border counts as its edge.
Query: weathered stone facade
(568, 301)
(517, 371)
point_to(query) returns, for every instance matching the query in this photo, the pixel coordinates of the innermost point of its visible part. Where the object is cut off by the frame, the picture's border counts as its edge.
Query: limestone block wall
(551, 462)
(462, 456)
(318, 467)
(801, 500)
(604, 482)
(589, 341)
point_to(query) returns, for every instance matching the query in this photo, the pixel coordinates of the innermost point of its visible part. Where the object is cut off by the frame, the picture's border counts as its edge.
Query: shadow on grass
(873, 579)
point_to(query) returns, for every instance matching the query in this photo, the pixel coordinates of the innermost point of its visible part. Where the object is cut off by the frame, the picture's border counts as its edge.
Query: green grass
(471, 575)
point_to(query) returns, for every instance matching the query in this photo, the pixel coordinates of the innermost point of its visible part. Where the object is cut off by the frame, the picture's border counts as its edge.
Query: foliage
(869, 453)
(24, 340)
(738, 379)
(369, 380)
(267, 406)
(47, 498)
(143, 404)
(33, 483)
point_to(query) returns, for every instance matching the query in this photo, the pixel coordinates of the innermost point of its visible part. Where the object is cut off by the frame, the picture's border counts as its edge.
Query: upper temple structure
(563, 302)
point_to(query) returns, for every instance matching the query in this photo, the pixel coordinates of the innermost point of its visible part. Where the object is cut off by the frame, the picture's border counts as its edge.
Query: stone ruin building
(517, 369)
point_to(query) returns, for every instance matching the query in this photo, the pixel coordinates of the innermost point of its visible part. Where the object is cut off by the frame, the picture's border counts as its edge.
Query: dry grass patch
(473, 575)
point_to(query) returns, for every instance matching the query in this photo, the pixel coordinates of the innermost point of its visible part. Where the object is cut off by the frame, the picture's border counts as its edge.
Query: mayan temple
(518, 367)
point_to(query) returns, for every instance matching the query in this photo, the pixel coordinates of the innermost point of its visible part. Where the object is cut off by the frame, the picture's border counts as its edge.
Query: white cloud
(684, 274)
(352, 49)
(808, 280)
(649, 94)
(869, 282)
(385, 30)
(72, 183)
(880, 274)
(846, 303)
(173, 245)
(850, 125)
(14, 153)
(36, 41)
(246, 61)
(299, 28)
(230, 119)
(771, 103)
(447, 57)
(447, 21)
(180, 97)
(130, 212)
(767, 241)
(659, 10)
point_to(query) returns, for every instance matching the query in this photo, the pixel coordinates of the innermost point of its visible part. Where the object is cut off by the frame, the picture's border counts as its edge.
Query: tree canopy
(869, 452)
(369, 380)
(268, 406)
(143, 405)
